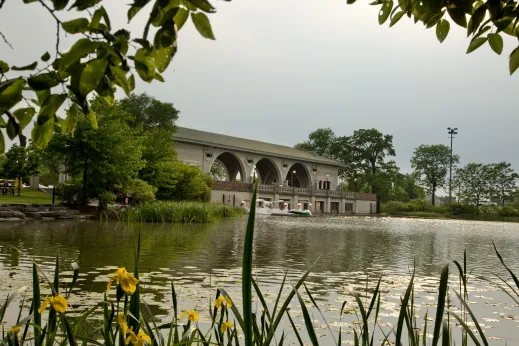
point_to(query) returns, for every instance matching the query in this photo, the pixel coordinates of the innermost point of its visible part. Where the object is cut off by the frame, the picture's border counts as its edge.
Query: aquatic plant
(178, 212)
(127, 319)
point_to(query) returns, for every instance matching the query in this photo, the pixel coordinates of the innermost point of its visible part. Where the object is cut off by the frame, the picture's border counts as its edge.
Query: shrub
(392, 207)
(142, 191)
(105, 198)
(69, 193)
(417, 205)
(463, 209)
(508, 211)
(489, 210)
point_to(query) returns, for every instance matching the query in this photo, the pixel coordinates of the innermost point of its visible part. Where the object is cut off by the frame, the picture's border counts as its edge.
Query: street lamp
(451, 133)
(292, 178)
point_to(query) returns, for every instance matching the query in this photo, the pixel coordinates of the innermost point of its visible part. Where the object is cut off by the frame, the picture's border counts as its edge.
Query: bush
(141, 191)
(489, 210)
(463, 209)
(508, 211)
(393, 207)
(417, 205)
(105, 198)
(69, 193)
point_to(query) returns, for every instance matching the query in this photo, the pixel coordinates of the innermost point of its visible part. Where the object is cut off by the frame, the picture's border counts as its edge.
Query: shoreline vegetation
(176, 212)
(455, 211)
(124, 316)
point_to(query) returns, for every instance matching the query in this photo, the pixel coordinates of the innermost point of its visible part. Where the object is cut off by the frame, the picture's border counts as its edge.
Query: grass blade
(261, 298)
(308, 321)
(294, 328)
(135, 298)
(467, 329)
(36, 302)
(247, 271)
(441, 304)
(365, 330)
(279, 295)
(403, 308)
(478, 327)
(503, 263)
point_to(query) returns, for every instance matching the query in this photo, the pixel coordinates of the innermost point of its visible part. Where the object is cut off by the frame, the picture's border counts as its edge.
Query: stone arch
(268, 172)
(232, 166)
(301, 178)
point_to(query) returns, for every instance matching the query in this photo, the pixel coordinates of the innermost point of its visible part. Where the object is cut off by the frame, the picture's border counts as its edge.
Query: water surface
(354, 252)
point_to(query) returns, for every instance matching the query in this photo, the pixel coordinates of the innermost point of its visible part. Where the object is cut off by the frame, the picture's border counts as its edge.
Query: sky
(278, 70)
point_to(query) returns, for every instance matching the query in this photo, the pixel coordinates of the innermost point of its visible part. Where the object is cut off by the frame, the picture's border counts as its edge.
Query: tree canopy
(431, 164)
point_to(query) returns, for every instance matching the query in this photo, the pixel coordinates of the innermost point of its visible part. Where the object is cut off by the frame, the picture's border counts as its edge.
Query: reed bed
(126, 318)
(178, 212)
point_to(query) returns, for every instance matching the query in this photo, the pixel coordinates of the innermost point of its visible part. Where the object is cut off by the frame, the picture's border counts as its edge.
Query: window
(208, 155)
(348, 207)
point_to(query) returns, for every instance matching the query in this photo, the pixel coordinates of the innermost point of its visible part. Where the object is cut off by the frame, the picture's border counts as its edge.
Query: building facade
(284, 173)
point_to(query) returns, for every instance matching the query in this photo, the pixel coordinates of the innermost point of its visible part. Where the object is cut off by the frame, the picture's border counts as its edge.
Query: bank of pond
(175, 212)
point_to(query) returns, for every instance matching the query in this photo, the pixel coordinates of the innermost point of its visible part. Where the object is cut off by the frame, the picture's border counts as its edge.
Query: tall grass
(126, 318)
(178, 212)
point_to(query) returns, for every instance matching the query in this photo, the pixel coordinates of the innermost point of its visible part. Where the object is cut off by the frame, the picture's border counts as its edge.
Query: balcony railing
(286, 190)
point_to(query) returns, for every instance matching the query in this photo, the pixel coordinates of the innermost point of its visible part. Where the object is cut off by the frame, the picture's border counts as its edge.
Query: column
(313, 208)
(327, 206)
(342, 207)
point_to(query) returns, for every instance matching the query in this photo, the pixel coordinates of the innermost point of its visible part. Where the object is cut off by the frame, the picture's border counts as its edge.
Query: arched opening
(227, 167)
(267, 172)
(298, 176)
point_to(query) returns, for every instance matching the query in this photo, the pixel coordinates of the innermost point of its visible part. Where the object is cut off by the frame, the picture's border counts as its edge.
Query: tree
(104, 159)
(20, 163)
(473, 182)
(503, 182)
(502, 15)
(431, 164)
(100, 60)
(184, 182)
(411, 187)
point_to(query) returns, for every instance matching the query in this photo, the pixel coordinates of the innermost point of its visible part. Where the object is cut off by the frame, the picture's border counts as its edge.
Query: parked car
(486, 203)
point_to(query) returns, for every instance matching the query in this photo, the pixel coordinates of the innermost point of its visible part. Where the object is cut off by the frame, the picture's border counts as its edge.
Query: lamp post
(451, 133)
(292, 178)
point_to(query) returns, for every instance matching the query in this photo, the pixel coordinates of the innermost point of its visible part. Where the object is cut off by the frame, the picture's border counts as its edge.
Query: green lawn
(27, 196)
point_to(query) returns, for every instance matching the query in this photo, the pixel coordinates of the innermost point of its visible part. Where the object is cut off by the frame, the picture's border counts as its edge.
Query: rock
(33, 215)
(16, 214)
(48, 218)
(13, 219)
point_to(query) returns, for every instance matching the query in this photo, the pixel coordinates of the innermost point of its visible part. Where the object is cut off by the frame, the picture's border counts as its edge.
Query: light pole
(451, 133)
(292, 178)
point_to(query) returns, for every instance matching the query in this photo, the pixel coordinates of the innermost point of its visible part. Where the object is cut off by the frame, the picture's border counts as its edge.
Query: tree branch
(58, 23)
(5, 39)
(2, 3)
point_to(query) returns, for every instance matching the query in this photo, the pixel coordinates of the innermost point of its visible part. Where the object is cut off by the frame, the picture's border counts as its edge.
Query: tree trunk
(84, 182)
(433, 195)
(19, 185)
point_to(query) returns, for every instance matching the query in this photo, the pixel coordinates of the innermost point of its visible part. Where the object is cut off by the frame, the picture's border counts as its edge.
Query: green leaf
(3, 124)
(24, 116)
(76, 26)
(10, 93)
(43, 81)
(49, 107)
(42, 134)
(163, 57)
(396, 18)
(513, 64)
(3, 67)
(12, 129)
(26, 67)
(476, 43)
(96, 18)
(458, 16)
(476, 20)
(308, 322)
(203, 25)
(496, 43)
(442, 30)
(444, 281)
(45, 57)
(136, 7)
(84, 4)
(159, 77)
(145, 65)
(385, 11)
(60, 4)
(120, 79)
(92, 75)
(204, 5)
(69, 123)
(131, 82)
(80, 49)
(91, 116)
(2, 142)
(181, 17)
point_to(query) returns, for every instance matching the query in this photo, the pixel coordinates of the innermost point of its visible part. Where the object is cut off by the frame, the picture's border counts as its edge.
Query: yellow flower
(127, 281)
(192, 316)
(121, 320)
(225, 326)
(222, 301)
(15, 330)
(59, 304)
(139, 339)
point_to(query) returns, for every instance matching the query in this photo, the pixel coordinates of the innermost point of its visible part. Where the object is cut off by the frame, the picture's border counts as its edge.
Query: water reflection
(201, 257)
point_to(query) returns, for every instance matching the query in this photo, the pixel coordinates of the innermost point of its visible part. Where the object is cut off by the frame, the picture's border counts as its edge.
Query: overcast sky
(281, 69)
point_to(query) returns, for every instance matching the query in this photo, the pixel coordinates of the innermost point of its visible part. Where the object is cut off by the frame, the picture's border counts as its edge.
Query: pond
(354, 252)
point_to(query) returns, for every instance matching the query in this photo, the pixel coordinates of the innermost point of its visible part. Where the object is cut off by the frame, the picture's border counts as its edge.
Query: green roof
(185, 135)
